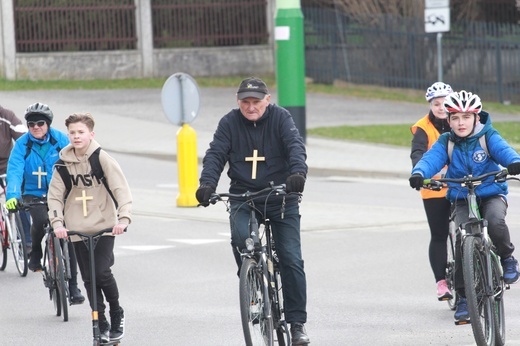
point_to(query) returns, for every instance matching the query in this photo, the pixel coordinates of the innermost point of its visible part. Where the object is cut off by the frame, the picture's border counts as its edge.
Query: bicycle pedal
(445, 298)
(461, 323)
(508, 286)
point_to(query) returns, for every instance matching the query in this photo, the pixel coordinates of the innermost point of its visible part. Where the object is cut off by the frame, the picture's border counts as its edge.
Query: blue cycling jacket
(469, 157)
(29, 171)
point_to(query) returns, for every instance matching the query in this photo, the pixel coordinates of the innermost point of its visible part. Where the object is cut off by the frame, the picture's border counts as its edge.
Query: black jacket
(274, 135)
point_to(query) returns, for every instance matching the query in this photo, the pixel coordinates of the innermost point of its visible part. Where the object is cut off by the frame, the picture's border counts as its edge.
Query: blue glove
(11, 204)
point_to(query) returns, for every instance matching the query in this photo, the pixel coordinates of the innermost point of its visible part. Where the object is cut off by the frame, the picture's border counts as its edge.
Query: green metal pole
(290, 60)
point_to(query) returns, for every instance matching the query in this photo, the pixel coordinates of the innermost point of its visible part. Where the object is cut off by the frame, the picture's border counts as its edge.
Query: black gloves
(204, 193)
(295, 183)
(513, 168)
(416, 181)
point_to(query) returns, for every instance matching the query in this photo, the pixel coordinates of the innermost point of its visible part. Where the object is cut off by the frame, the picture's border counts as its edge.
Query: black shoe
(35, 263)
(298, 334)
(104, 328)
(117, 318)
(75, 295)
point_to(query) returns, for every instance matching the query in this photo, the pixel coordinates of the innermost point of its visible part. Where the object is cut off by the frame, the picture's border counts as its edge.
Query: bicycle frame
(484, 284)
(260, 248)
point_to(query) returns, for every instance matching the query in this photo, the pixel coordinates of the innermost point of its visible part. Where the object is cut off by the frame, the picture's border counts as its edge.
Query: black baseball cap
(252, 87)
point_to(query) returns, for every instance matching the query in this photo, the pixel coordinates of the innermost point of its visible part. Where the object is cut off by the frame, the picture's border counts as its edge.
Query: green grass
(400, 135)
(385, 134)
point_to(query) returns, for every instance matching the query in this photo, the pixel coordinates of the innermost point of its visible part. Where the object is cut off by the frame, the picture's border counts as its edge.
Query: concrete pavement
(132, 121)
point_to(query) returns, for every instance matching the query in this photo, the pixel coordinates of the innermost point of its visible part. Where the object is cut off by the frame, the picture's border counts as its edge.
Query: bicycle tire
(277, 309)
(498, 295)
(450, 267)
(257, 321)
(60, 279)
(480, 305)
(51, 275)
(4, 242)
(18, 245)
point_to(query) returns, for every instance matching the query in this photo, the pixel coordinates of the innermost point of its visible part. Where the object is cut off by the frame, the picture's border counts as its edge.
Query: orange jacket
(433, 134)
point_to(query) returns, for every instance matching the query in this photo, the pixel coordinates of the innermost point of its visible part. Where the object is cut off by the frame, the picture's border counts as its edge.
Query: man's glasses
(40, 123)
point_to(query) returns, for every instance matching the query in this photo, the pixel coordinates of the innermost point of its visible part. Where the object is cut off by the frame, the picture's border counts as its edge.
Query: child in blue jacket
(468, 123)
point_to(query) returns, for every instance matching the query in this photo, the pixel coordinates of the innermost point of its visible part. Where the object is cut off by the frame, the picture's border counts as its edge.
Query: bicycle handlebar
(248, 195)
(86, 235)
(35, 202)
(437, 184)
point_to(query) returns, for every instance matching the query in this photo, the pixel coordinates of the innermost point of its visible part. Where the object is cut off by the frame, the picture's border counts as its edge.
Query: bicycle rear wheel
(17, 240)
(450, 266)
(498, 294)
(257, 321)
(63, 291)
(480, 304)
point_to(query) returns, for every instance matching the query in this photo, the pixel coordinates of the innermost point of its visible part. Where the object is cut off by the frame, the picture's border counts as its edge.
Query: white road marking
(147, 247)
(196, 241)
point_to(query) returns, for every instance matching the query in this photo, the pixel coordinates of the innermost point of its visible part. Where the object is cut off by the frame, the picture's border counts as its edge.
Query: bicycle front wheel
(450, 267)
(480, 304)
(257, 321)
(50, 274)
(498, 295)
(17, 239)
(61, 284)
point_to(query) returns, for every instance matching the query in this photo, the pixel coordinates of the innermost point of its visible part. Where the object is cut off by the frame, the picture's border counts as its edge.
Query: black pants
(438, 215)
(286, 233)
(40, 220)
(105, 282)
(494, 210)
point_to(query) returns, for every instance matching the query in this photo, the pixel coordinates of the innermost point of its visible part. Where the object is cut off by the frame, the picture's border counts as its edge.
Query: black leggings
(105, 282)
(438, 215)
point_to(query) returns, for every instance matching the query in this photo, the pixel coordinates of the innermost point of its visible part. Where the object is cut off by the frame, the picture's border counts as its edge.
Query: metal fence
(74, 25)
(90, 25)
(395, 52)
(207, 23)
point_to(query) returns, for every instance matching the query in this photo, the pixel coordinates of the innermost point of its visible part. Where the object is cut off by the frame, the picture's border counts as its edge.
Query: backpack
(481, 139)
(97, 171)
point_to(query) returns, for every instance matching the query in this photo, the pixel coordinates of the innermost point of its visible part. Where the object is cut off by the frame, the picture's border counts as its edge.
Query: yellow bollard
(187, 162)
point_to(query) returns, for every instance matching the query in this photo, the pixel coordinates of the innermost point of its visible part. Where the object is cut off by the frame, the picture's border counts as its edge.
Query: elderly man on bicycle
(261, 143)
(476, 148)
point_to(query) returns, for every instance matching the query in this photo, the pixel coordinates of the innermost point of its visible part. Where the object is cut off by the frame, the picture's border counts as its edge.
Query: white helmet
(462, 102)
(438, 89)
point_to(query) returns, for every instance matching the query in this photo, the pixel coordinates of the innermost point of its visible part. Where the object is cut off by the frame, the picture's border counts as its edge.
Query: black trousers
(438, 214)
(106, 286)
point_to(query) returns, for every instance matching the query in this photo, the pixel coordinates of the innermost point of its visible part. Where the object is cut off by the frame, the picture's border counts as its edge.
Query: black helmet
(39, 109)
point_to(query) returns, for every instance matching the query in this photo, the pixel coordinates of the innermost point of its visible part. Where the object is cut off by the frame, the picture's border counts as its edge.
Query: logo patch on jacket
(479, 156)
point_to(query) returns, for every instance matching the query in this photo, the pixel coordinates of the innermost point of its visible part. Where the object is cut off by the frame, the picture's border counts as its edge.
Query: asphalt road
(365, 248)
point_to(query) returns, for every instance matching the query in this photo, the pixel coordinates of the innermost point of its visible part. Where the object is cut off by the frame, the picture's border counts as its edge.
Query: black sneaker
(298, 334)
(117, 318)
(75, 295)
(104, 328)
(35, 263)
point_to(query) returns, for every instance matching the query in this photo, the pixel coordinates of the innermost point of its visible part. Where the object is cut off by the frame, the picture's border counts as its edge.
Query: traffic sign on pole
(180, 100)
(436, 15)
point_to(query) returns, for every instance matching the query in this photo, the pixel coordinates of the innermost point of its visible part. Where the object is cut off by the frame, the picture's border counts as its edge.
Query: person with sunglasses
(29, 173)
